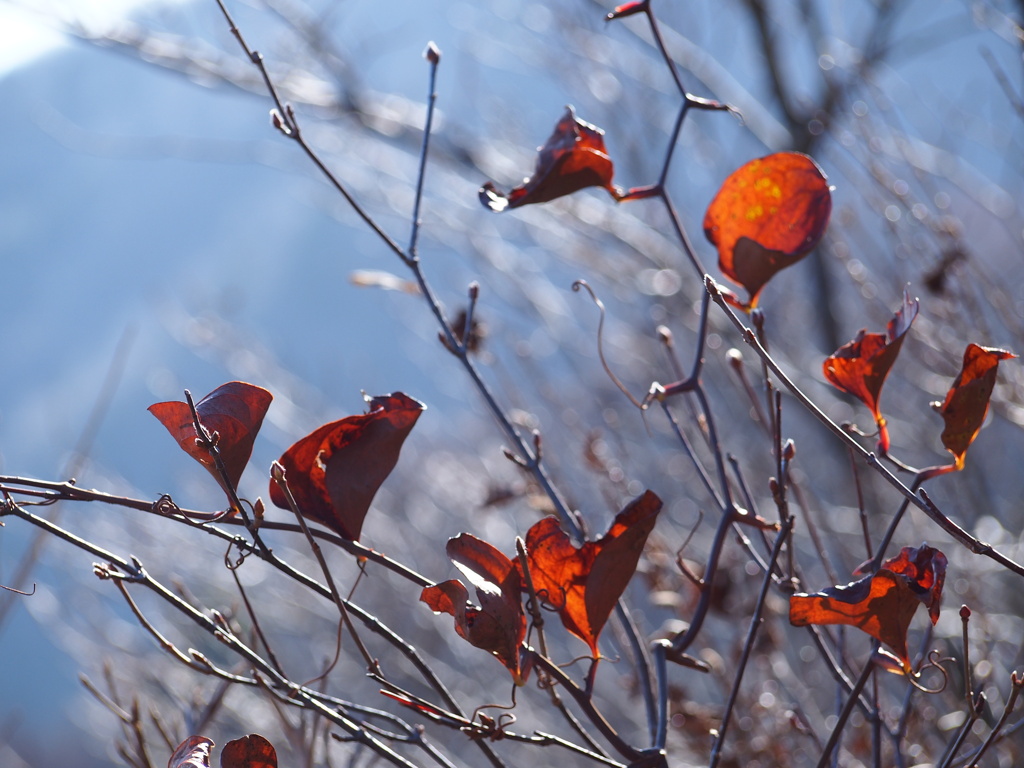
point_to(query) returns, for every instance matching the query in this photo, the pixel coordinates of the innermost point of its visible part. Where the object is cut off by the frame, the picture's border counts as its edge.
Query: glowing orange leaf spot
(767, 215)
(584, 583)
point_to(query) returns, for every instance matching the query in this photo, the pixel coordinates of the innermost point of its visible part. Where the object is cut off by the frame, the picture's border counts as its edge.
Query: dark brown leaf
(768, 215)
(335, 471)
(572, 159)
(233, 413)
(966, 403)
(252, 751)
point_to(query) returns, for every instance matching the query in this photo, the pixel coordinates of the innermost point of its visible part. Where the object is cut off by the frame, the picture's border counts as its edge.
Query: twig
(688, 449)
(278, 474)
(433, 56)
(257, 627)
(284, 117)
(132, 571)
(748, 645)
(920, 501)
(208, 441)
(861, 511)
(192, 660)
(286, 122)
(660, 653)
(584, 702)
(577, 284)
(1016, 685)
(164, 507)
(105, 700)
(533, 605)
(833, 739)
(975, 711)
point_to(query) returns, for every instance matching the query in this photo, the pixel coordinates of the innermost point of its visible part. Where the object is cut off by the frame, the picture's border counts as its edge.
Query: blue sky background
(145, 209)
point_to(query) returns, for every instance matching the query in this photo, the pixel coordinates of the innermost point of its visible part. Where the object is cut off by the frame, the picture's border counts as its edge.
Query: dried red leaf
(925, 569)
(584, 583)
(335, 471)
(861, 366)
(416, 704)
(767, 215)
(252, 751)
(233, 413)
(881, 604)
(628, 9)
(498, 624)
(193, 752)
(572, 159)
(966, 403)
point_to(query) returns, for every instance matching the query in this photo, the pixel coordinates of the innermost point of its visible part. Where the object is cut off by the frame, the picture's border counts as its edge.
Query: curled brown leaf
(572, 159)
(498, 623)
(963, 411)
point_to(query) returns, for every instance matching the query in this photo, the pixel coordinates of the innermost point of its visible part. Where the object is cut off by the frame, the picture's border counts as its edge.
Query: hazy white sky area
(23, 37)
(30, 28)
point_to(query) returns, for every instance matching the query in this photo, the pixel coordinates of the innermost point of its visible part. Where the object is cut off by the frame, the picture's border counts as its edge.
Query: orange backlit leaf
(572, 159)
(584, 583)
(861, 366)
(193, 752)
(966, 403)
(498, 624)
(252, 751)
(233, 413)
(335, 471)
(767, 215)
(881, 604)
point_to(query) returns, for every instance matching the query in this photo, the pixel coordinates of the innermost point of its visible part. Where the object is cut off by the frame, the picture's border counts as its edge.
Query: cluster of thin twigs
(426, 704)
